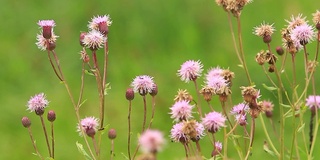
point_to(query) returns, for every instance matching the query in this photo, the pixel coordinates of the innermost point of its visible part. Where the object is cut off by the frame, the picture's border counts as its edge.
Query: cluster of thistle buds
(37, 104)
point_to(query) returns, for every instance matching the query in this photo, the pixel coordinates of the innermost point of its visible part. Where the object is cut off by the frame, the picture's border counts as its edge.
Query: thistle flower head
(190, 70)
(302, 34)
(88, 125)
(183, 95)
(143, 84)
(37, 103)
(151, 141)
(316, 17)
(296, 21)
(217, 148)
(240, 108)
(264, 30)
(267, 107)
(100, 23)
(47, 28)
(46, 44)
(213, 121)
(177, 134)
(193, 129)
(218, 84)
(94, 40)
(313, 101)
(214, 72)
(181, 110)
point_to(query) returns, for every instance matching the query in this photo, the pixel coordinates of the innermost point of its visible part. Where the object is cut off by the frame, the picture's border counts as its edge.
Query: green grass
(147, 37)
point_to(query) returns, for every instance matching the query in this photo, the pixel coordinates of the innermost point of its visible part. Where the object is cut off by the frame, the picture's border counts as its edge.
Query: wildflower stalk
(198, 98)
(268, 137)
(112, 150)
(100, 88)
(241, 50)
(153, 111)
(251, 137)
(129, 131)
(144, 113)
(45, 135)
(52, 140)
(53, 66)
(234, 39)
(34, 144)
(95, 146)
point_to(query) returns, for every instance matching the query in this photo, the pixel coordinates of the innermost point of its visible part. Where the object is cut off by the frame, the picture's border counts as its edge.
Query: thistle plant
(223, 124)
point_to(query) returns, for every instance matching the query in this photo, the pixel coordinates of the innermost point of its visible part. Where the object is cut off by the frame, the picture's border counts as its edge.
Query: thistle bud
(112, 134)
(154, 90)
(26, 122)
(279, 50)
(82, 35)
(129, 94)
(51, 116)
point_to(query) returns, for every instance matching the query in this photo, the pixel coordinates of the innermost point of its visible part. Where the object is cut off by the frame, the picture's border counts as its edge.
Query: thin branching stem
(129, 131)
(52, 139)
(198, 98)
(153, 110)
(45, 134)
(251, 137)
(34, 144)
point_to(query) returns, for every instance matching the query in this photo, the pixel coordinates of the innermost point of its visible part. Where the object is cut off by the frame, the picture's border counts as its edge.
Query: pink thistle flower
(190, 70)
(94, 40)
(151, 141)
(302, 34)
(177, 134)
(181, 110)
(240, 108)
(240, 111)
(217, 83)
(37, 103)
(100, 23)
(213, 121)
(267, 107)
(47, 27)
(313, 101)
(143, 84)
(217, 148)
(89, 125)
(214, 72)
(46, 44)
(200, 131)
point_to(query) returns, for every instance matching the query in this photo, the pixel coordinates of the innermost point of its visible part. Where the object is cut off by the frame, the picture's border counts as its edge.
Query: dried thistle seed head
(271, 68)
(112, 134)
(51, 116)
(279, 50)
(228, 76)
(207, 93)
(193, 129)
(183, 95)
(250, 94)
(312, 65)
(265, 31)
(316, 18)
(26, 122)
(255, 111)
(261, 57)
(296, 21)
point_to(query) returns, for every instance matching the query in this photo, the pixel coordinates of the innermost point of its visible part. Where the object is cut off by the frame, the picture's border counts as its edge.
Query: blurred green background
(146, 37)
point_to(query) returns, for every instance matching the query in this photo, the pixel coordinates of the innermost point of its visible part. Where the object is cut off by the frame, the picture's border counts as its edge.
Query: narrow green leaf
(285, 105)
(266, 149)
(82, 151)
(88, 73)
(107, 88)
(301, 127)
(269, 88)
